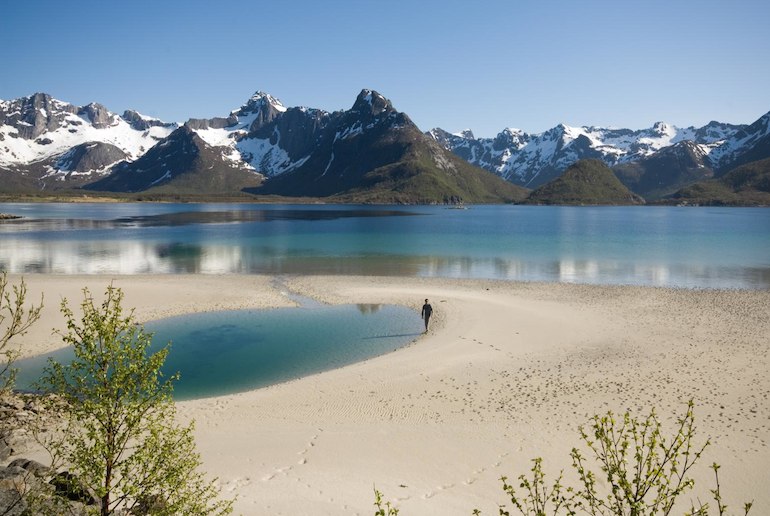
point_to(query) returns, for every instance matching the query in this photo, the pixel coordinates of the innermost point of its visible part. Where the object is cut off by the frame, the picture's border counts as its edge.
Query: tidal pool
(220, 353)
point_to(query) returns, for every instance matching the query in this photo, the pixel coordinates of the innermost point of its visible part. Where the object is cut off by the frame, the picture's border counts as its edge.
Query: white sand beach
(507, 373)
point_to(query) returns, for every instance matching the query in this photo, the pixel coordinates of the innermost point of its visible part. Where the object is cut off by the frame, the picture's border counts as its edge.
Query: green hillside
(747, 185)
(587, 182)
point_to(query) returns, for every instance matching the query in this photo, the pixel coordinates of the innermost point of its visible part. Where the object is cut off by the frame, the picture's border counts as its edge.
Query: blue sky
(483, 65)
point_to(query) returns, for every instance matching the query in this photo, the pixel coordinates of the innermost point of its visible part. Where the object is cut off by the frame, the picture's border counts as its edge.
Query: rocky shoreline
(21, 477)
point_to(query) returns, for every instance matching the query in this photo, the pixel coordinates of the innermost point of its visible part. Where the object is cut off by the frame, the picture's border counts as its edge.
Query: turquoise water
(664, 246)
(226, 352)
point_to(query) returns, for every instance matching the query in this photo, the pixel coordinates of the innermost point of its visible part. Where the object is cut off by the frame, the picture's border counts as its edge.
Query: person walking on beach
(427, 310)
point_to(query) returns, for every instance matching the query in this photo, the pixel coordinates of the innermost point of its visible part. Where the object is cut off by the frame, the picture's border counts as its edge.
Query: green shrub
(644, 472)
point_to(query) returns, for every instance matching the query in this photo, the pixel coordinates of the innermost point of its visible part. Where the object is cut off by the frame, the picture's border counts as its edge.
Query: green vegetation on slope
(393, 165)
(747, 185)
(588, 181)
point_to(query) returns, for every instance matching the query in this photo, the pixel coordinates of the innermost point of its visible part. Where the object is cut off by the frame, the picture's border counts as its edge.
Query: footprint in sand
(431, 494)
(237, 483)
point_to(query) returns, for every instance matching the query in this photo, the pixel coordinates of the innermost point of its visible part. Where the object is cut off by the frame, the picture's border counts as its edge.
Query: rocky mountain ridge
(369, 153)
(532, 160)
(263, 147)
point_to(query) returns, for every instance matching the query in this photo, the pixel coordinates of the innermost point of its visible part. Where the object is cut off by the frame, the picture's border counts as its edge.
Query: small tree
(15, 320)
(120, 439)
(645, 473)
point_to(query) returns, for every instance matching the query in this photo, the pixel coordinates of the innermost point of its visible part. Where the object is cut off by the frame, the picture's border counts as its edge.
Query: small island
(9, 216)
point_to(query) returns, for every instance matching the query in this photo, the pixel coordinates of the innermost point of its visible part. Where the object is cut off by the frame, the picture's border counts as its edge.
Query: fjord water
(663, 246)
(226, 352)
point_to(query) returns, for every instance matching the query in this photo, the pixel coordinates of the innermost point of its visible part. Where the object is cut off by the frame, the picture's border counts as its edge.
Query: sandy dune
(507, 373)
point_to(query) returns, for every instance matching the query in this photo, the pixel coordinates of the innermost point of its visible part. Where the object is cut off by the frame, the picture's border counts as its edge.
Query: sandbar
(507, 372)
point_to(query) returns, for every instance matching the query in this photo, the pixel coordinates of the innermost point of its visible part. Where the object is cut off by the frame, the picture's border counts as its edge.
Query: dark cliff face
(140, 123)
(88, 157)
(97, 114)
(298, 131)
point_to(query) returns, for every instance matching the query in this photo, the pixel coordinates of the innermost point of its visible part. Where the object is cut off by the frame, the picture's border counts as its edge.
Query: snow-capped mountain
(299, 151)
(534, 159)
(750, 143)
(59, 140)
(263, 134)
(369, 151)
(332, 151)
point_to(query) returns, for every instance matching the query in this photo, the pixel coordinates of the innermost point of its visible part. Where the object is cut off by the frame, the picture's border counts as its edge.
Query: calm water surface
(232, 351)
(666, 246)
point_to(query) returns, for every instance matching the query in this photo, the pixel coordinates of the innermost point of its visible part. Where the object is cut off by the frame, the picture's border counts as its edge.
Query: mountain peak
(663, 128)
(262, 96)
(259, 101)
(369, 101)
(97, 115)
(264, 108)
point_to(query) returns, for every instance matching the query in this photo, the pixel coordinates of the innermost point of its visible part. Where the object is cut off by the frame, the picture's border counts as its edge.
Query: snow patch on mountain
(15, 150)
(740, 141)
(264, 155)
(63, 126)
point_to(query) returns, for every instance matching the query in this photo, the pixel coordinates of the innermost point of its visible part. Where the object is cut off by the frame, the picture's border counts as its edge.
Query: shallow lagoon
(221, 353)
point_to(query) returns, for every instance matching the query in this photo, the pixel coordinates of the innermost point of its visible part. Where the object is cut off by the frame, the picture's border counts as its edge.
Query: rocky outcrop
(142, 123)
(264, 106)
(212, 123)
(97, 114)
(35, 115)
(23, 478)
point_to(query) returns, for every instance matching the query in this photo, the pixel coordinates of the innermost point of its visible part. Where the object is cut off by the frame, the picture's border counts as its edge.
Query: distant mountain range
(652, 162)
(369, 153)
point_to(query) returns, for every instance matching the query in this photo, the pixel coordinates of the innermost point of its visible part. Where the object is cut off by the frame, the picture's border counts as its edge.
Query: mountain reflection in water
(186, 218)
(661, 246)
